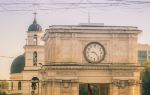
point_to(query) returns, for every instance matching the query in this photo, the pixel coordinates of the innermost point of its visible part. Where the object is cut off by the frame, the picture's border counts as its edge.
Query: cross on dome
(34, 27)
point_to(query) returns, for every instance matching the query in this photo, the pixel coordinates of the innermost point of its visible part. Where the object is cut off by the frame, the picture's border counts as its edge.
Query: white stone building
(85, 59)
(143, 53)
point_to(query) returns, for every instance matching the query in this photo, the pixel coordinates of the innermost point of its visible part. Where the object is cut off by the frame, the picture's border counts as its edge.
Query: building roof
(90, 28)
(94, 26)
(18, 64)
(144, 47)
(34, 27)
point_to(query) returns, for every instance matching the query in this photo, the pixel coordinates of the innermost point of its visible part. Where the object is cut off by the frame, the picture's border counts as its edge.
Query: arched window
(35, 39)
(19, 85)
(35, 83)
(35, 58)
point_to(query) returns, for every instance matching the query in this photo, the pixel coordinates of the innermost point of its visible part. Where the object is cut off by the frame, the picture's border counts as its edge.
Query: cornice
(33, 46)
(93, 67)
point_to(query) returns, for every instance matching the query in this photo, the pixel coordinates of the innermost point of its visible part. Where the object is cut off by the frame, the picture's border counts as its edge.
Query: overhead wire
(65, 5)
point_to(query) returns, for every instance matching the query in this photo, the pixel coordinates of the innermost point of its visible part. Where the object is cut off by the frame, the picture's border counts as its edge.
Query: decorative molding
(32, 68)
(88, 66)
(33, 46)
(123, 83)
(66, 73)
(88, 30)
(122, 73)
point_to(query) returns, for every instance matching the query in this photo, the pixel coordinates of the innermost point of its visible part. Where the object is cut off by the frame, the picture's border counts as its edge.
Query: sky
(17, 15)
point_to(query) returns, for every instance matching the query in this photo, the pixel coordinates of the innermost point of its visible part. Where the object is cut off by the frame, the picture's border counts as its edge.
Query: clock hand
(94, 53)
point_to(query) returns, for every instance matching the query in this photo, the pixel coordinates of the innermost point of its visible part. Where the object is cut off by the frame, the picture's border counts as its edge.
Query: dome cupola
(18, 64)
(34, 27)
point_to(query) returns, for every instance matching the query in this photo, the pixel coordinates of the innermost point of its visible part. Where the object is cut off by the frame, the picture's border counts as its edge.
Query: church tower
(34, 48)
(34, 56)
(26, 66)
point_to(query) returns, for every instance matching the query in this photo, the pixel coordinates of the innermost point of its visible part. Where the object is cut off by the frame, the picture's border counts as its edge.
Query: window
(35, 84)
(35, 58)
(148, 52)
(35, 39)
(142, 55)
(19, 85)
(141, 61)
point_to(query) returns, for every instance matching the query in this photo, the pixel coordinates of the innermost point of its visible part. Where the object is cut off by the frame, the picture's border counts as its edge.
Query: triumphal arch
(91, 59)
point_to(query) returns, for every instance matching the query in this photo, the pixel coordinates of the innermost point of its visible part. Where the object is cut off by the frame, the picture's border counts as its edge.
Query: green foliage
(146, 78)
(3, 87)
(146, 64)
(146, 71)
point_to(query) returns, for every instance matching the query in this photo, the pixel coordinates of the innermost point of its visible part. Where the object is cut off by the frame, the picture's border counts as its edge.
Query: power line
(6, 57)
(61, 8)
(129, 2)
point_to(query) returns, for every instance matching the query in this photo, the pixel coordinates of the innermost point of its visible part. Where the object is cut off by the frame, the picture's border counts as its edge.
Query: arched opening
(34, 58)
(35, 39)
(35, 79)
(35, 85)
(94, 89)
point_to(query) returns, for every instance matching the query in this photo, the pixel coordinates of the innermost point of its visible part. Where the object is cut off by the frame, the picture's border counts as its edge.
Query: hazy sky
(14, 22)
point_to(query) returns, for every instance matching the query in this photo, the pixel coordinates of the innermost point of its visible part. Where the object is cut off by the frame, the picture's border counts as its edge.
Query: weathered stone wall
(68, 47)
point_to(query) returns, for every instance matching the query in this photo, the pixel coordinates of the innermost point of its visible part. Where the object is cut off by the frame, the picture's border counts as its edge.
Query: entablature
(105, 66)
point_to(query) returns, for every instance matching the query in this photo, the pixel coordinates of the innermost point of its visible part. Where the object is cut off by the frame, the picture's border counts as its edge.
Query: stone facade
(64, 70)
(67, 44)
(65, 62)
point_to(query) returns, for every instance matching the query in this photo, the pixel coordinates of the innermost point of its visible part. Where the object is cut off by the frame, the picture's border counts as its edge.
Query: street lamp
(41, 65)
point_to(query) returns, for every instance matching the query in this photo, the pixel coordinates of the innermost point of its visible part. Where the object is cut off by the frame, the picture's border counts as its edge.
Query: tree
(146, 78)
(3, 87)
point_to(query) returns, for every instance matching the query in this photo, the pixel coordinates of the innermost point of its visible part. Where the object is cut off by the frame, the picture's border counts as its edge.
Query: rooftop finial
(35, 14)
(34, 26)
(35, 17)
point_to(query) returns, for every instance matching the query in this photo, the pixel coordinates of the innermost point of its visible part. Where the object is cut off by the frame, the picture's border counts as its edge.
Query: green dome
(18, 64)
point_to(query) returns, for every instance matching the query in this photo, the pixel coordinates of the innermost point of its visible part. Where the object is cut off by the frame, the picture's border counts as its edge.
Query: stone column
(26, 87)
(75, 89)
(55, 89)
(131, 90)
(137, 90)
(113, 90)
(44, 89)
(134, 90)
(47, 88)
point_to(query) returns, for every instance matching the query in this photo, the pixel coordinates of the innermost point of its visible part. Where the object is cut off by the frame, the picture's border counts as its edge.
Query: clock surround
(94, 52)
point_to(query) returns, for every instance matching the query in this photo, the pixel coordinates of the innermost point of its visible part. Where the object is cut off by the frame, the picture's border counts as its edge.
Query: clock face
(94, 52)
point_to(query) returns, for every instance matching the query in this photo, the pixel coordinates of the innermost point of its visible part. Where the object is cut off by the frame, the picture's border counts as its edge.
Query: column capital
(123, 83)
